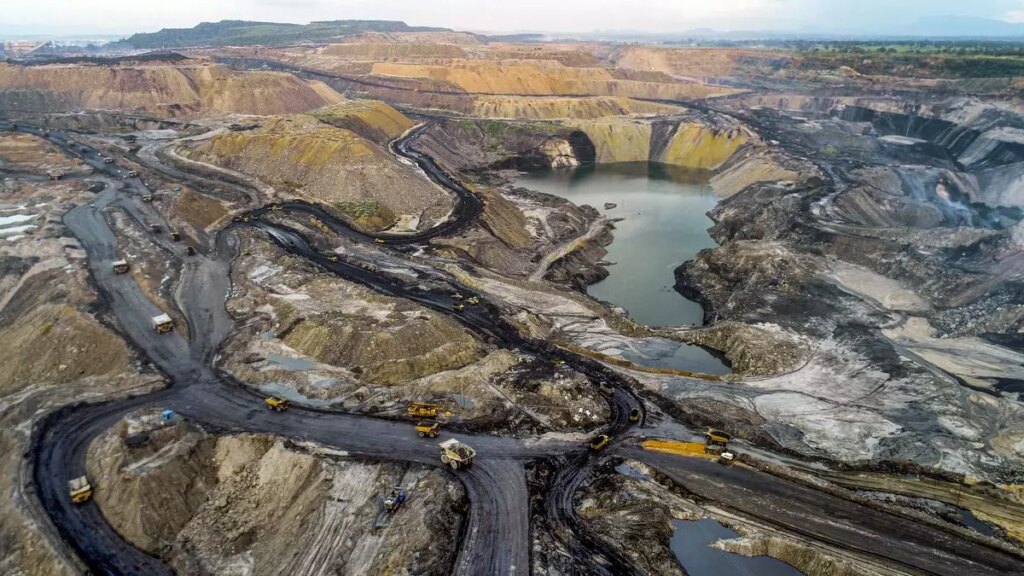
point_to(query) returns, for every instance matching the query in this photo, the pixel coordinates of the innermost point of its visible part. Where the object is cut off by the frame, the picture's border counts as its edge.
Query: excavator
(423, 410)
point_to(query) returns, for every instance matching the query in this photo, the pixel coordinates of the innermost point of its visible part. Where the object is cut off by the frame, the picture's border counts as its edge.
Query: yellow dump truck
(421, 410)
(163, 324)
(276, 404)
(456, 454)
(80, 489)
(599, 442)
(120, 266)
(716, 441)
(713, 436)
(431, 429)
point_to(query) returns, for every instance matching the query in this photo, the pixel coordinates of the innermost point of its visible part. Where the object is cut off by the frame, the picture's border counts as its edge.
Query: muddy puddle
(665, 224)
(691, 542)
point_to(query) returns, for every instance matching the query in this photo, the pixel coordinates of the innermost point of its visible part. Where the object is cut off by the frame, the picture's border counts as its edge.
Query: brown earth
(193, 88)
(257, 504)
(304, 158)
(55, 351)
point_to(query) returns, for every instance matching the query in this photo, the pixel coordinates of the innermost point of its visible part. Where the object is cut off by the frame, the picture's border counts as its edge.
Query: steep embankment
(692, 140)
(253, 504)
(371, 119)
(617, 139)
(698, 63)
(161, 89)
(305, 158)
(700, 146)
(545, 79)
(548, 108)
(392, 52)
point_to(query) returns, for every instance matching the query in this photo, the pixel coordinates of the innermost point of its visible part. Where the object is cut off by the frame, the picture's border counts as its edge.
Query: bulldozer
(276, 404)
(80, 490)
(163, 324)
(456, 454)
(431, 429)
(421, 410)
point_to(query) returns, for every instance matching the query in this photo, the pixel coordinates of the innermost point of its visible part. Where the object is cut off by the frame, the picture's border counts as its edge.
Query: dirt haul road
(497, 533)
(497, 536)
(894, 541)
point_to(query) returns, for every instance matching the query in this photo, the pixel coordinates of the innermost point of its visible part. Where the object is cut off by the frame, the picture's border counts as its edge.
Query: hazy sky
(103, 16)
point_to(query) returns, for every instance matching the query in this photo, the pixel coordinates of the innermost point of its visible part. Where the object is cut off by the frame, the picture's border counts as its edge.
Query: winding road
(497, 536)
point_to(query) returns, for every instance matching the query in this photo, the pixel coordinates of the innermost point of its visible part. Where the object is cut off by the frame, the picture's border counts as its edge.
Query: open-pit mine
(380, 299)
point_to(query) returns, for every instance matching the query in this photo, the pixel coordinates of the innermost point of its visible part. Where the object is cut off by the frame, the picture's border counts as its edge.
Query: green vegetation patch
(245, 33)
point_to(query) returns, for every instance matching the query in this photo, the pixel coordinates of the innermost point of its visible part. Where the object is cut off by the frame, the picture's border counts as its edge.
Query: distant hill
(243, 33)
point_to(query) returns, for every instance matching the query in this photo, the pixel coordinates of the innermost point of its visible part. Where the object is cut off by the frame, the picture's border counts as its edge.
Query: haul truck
(80, 490)
(717, 442)
(431, 429)
(276, 404)
(456, 454)
(120, 266)
(163, 324)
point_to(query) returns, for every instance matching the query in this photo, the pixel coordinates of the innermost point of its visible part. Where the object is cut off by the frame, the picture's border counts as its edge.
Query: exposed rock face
(368, 339)
(477, 144)
(634, 517)
(890, 273)
(748, 169)
(693, 141)
(371, 119)
(617, 139)
(547, 108)
(559, 153)
(255, 505)
(302, 157)
(807, 559)
(371, 52)
(582, 267)
(705, 65)
(524, 78)
(754, 350)
(699, 146)
(165, 90)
